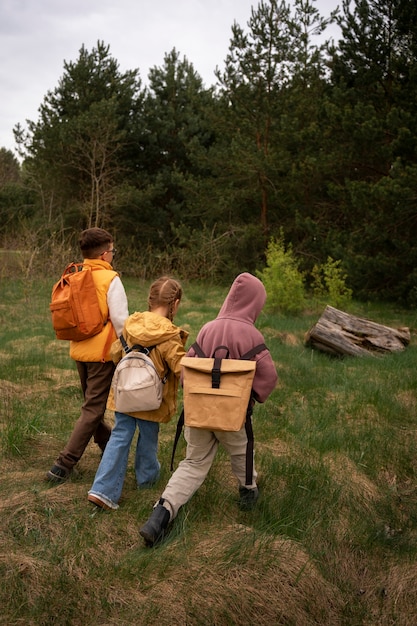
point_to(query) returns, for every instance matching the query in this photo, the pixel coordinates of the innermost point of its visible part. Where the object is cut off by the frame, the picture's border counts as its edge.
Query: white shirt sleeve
(117, 303)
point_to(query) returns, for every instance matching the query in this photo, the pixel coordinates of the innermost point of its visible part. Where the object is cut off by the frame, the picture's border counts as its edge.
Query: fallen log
(339, 333)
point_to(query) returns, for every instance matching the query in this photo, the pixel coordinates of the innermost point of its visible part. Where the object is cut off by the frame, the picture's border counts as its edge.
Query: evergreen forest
(300, 136)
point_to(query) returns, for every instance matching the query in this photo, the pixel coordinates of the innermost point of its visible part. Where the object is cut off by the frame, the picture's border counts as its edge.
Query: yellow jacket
(92, 349)
(150, 329)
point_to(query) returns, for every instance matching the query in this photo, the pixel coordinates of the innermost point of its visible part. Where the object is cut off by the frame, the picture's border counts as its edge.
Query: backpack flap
(216, 392)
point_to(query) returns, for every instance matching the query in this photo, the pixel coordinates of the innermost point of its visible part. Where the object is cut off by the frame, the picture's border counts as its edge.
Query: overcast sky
(37, 36)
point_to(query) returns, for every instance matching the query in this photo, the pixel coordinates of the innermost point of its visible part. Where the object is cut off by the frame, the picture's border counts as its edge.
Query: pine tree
(77, 150)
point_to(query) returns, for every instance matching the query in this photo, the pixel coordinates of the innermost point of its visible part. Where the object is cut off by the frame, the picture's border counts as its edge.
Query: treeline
(299, 135)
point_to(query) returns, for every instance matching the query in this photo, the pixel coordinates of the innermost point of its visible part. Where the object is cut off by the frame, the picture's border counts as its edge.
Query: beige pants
(201, 449)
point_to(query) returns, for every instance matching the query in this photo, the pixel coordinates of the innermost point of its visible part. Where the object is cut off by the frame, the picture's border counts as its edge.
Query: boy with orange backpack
(91, 355)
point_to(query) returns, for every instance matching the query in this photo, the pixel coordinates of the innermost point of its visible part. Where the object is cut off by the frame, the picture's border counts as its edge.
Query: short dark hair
(94, 241)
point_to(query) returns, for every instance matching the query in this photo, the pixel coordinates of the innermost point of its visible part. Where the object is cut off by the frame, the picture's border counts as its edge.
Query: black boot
(153, 530)
(247, 498)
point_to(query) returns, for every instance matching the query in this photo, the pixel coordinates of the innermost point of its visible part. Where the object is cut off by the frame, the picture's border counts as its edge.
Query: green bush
(329, 284)
(284, 283)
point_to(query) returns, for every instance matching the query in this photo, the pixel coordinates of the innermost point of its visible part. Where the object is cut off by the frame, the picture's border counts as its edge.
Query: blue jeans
(111, 472)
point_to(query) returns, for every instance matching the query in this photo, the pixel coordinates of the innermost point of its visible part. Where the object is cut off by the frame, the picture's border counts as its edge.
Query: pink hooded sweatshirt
(234, 328)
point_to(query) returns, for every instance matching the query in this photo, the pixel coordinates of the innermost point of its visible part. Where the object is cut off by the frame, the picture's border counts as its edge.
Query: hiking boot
(247, 498)
(58, 474)
(101, 502)
(154, 529)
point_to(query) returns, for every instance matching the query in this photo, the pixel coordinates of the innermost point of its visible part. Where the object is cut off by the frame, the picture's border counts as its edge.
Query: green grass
(332, 541)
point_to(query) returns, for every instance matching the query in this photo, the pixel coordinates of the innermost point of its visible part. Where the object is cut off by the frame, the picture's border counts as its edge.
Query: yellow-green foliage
(284, 282)
(329, 284)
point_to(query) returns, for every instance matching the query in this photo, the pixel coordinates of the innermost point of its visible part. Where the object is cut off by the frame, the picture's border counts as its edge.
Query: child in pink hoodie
(233, 327)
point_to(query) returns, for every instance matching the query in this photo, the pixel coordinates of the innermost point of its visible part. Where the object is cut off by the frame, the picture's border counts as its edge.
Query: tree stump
(339, 333)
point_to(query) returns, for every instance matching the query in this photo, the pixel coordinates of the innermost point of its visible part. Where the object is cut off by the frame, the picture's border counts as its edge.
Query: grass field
(332, 541)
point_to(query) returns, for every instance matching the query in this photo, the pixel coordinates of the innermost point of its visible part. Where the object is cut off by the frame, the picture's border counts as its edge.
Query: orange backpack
(74, 304)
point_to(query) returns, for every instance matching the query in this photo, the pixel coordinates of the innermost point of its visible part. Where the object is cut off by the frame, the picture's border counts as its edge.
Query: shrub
(284, 283)
(329, 284)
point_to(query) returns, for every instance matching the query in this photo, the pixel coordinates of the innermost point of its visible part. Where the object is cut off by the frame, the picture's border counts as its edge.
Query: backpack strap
(197, 349)
(256, 350)
(180, 425)
(248, 422)
(248, 355)
(250, 444)
(138, 348)
(216, 371)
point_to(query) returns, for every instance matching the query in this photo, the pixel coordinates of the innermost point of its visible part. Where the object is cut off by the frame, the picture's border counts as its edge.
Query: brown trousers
(95, 383)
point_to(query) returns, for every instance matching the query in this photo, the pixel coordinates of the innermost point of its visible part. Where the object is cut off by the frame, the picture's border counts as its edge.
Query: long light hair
(164, 292)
